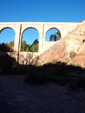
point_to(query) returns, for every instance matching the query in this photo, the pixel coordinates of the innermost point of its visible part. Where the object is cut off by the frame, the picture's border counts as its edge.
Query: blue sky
(41, 11)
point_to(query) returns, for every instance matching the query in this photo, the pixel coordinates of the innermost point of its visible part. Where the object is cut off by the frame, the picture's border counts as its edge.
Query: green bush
(72, 54)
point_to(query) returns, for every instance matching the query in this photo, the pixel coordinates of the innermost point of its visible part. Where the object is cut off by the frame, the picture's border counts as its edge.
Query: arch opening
(30, 40)
(53, 34)
(7, 38)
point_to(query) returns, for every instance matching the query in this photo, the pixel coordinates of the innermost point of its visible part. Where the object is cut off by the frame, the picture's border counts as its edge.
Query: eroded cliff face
(74, 42)
(75, 39)
(78, 41)
(54, 53)
(79, 59)
(70, 49)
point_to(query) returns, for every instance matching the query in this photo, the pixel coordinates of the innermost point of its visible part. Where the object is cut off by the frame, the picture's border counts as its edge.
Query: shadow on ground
(60, 73)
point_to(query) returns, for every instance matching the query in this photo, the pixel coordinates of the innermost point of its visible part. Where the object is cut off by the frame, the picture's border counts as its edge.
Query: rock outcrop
(53, 54)
(70, 49)
(79, 59)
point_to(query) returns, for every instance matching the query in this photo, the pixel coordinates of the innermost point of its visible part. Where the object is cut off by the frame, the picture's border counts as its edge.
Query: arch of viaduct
(41, 27)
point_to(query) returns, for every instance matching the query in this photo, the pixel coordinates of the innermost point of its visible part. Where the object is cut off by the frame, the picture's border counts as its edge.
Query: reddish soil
(55, 53)
(79, 59)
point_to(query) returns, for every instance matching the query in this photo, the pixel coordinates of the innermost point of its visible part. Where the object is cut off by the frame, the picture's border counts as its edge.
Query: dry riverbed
(19, 97)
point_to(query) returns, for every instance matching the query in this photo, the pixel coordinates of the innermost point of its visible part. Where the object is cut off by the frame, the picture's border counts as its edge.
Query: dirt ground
(19, 97)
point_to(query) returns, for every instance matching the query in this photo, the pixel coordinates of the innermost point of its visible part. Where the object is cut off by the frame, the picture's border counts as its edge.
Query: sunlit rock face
(79, 59)
(70, 49)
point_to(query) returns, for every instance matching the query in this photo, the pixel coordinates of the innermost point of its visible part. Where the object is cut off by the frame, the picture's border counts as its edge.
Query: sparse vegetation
(67, 60)
(60, 73)
(5, 48)
(9, 47)
(72, 54)
(30, 48)
(81, 21)
(56, 36)
(78, 49)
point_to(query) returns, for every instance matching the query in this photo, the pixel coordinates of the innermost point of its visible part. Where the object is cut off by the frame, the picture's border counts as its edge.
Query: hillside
(70, 49)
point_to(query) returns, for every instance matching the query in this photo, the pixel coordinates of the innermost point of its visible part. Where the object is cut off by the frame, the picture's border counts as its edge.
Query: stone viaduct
(41, 27)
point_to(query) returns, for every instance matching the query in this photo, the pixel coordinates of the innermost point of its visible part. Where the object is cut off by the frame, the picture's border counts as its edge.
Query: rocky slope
(54, 53)
(79, 59)
(70, 49)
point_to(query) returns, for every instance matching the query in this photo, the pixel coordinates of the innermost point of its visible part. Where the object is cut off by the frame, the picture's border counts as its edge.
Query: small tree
(27, 49)
(51, 38)
(11, 44)
(56, 36)
(34, 46)
(24, 45)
